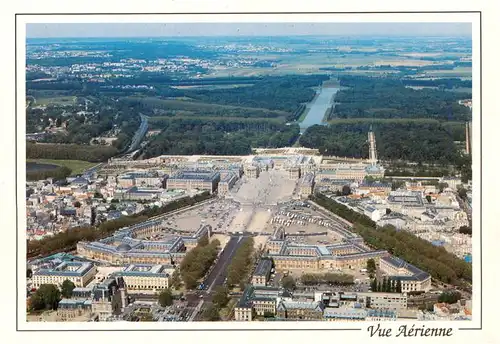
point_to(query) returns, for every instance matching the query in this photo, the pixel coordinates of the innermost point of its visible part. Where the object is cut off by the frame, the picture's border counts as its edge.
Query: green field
(76, 166)
(63, 100)
(303, 115)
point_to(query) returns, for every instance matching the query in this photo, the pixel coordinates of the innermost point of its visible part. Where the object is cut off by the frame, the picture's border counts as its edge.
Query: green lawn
(76, 166)
(303, 115)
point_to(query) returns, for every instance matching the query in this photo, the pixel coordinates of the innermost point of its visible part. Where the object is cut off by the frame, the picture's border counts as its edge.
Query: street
(197, 299)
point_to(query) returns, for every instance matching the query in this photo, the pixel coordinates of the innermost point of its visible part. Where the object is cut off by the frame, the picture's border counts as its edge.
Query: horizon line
(271, 35)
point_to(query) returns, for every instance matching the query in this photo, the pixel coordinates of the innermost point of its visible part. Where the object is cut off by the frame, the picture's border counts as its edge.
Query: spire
(372, 153)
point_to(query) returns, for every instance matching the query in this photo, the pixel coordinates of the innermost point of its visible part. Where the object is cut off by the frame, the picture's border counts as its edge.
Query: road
(465, 206)
(218, 273)
(88, 172)
(139, 134)
(197, 299)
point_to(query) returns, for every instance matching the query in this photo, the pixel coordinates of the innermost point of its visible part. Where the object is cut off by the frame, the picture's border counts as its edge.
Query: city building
(391, 301)
(333, 185)
(306, 186)
(68, 309)
(262, 272)
(226, 183)
(287, 255)
(366, 188)
(373, 213)
(343, 171)
(257, 301)
(453, 182)
(146, 277)
(381, 315)
(194, 179)
(80, 273)
(344, 314)
(294, 173)
(109, 298)
(136, 193)
(411, 277)
(124, 247)
(300, 310)
(252, 171)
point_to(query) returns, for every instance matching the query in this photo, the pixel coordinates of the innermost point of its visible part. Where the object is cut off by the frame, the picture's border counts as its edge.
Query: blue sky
(245, 29)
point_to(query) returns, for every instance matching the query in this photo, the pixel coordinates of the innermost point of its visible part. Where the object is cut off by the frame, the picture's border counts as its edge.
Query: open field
(462, 89)
(456, 72)
(402, 62)
(76, 166)
(62, 100)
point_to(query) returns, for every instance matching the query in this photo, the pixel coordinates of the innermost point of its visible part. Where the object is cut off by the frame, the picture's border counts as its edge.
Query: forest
(58, 173)
(185, 136)
(365, 97)
(285, 93)
(416, 141)
(198, 261)
(69, 151)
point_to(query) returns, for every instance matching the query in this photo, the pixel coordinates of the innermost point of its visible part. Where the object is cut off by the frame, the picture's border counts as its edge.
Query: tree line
(240, 268)
(66, 241)
(47, 296)
(198, 261)
(69, 152)
(154, 107)
(58, 173)
(389, 98)
(186, 136)
(439, 263)
(327, 278)
(387, 285)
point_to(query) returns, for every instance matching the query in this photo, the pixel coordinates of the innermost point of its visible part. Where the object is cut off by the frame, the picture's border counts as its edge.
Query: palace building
(351, 254)
(411, 277)
(125, 248)
(80, 273)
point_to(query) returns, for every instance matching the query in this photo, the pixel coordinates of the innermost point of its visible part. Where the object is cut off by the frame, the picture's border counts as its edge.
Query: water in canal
(318, 107)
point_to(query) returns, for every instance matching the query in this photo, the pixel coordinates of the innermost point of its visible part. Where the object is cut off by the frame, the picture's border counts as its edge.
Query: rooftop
(67, 269)
(196, 175)
(264, 267)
